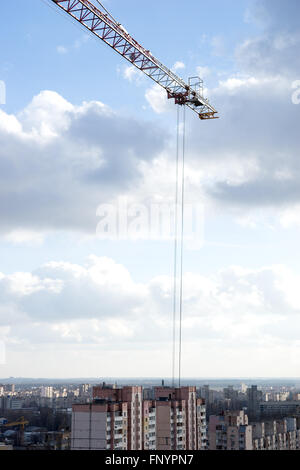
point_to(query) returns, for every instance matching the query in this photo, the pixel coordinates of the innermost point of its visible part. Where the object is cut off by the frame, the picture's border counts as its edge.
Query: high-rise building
(84, 390)
(254, 398)
(201, 425)
(174, 420)
(133, 396)
(46, 392)
(230, 431)
(149, 425)
(101, 425)
(276, 435)
(170, 424)
(230, 393)
(185, 398)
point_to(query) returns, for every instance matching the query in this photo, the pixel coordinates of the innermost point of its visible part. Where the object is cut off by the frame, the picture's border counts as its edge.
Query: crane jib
(105, 27)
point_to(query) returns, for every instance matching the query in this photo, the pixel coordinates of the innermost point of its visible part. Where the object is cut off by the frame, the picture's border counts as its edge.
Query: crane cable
(176, 243)
(175, 250)
(181, 249)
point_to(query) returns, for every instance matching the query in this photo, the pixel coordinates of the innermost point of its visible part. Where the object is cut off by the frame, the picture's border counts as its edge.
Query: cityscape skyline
(149, 417)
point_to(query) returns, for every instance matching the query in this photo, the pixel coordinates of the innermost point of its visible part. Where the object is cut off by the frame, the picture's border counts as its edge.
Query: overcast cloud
(58, 162)
(99, 303)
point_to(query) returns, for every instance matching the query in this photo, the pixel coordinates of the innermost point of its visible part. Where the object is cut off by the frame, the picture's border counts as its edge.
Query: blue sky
(79, 129)
(30, 62)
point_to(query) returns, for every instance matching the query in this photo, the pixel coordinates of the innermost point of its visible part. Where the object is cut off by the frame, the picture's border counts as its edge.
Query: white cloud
(26, 237)
(203, 71)
(58, 162)
(158, 99)
(132, 74)
(290, 217)
(62, 50)
(236, 310)
(178, 66)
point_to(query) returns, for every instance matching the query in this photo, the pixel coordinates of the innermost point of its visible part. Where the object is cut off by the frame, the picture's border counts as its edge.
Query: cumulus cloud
(132, 74)
(158, 100)
(275, 50)
(257, 130)
(59, 162)
(99, 302)
(178, 66)
(249, 158)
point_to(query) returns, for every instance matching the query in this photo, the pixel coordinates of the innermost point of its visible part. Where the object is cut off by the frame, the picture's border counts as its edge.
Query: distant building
(230, 431)
(276, 435)
(279, 408)
(230, 393)
(46, 392)
(10, 388)
(84, 390)
(16, 404)
(5, 446)
(207, 394)
(254, 398)
(10, 403)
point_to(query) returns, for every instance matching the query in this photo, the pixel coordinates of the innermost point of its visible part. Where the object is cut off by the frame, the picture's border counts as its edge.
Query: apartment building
(191, 408)
(133, 396)
(99, 426)
(254, 397)
(278, 409)
(276, 435)
(149, 425)
(46, 392)
(120, 419)
(201, 425)
(170, 424)
(230, 431)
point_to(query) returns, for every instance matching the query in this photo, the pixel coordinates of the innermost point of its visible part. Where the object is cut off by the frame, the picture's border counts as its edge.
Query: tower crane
(105, 27)
(21, 423)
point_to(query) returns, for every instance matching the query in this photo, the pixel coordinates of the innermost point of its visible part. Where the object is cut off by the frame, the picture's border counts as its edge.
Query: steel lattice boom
(112, 33)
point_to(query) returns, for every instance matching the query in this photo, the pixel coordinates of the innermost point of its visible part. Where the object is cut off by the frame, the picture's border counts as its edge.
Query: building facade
(133, 397)
(99, 426)
(120, 419)
(276, 435)
(230, 431)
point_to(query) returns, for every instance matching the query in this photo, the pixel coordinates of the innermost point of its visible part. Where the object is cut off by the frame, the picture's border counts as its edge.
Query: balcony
(118, 427)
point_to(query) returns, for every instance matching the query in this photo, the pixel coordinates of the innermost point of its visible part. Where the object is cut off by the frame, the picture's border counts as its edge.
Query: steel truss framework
(114, 35)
